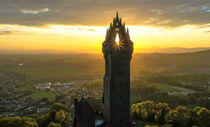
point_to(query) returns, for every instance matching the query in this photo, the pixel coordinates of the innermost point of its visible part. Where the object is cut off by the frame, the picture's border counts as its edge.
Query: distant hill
(173, 50)
(148, 50)
(65, 67)
(179, 62)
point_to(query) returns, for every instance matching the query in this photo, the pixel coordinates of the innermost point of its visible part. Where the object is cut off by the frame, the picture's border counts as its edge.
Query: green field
(163, 87)
(41, 94)
(19, 89)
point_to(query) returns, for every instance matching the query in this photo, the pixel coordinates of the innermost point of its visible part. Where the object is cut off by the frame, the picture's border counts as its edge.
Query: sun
(117, 43)
(117, 39)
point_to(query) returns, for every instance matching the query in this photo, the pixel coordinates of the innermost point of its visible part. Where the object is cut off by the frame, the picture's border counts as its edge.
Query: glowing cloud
(43, 10)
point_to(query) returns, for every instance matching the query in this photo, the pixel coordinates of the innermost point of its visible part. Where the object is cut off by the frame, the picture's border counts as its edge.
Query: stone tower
(117, 50)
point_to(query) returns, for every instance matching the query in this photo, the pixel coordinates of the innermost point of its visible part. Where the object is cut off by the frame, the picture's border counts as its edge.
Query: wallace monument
(117, 50)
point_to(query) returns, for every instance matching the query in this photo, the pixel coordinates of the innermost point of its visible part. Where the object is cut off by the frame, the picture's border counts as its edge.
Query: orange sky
(88, 39)
(80, 25)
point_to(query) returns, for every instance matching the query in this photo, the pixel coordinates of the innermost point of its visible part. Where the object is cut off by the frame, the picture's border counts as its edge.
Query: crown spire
(117, 15)
(117, 27)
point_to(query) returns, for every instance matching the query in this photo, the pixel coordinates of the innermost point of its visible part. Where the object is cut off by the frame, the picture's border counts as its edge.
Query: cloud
(208, 31)
(44, 10)
(10, 32)
(164, 13)
(204, 26)
(90, 29)
(80, 28)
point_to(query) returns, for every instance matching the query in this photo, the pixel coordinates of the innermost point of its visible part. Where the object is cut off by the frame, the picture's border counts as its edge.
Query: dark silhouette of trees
(161, 113)
(56, 117)
(18, 122)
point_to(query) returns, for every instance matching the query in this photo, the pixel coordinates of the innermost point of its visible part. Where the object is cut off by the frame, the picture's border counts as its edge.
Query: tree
(52, 124)
(179, 117)
(144, 110)
(44, 120)
(59, 106)
(134, 111)
(18, 122)
(150, 126)
(161, 113)
(161, 109)
(202, 116)
(57, 114)
(60, 116)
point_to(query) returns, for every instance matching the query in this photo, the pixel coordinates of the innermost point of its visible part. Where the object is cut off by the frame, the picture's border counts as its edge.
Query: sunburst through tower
(117, 39)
